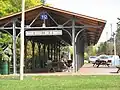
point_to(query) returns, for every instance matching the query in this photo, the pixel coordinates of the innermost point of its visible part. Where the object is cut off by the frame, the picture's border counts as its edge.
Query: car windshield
(92, 57)
(104, 57)
(110, 56)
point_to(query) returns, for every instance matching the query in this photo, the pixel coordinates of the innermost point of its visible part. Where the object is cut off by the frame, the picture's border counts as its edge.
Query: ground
(88, 78)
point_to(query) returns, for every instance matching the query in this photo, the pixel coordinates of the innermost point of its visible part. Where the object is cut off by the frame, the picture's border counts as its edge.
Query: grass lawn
(60, 83)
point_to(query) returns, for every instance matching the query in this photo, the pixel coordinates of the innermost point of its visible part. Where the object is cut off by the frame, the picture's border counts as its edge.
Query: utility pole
(106, 36)
(111, 29)
(22, 42)
(114, 43)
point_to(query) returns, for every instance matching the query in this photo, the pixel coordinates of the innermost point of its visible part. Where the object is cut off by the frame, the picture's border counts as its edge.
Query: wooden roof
(61, 16)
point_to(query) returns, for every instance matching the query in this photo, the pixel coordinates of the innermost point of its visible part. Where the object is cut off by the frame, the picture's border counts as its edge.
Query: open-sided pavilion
(52, 27)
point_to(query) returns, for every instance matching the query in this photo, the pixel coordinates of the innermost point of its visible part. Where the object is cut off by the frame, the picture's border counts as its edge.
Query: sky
(108, 10)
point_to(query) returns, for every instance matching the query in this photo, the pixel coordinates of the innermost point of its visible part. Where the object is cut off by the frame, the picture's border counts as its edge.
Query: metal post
(22, 42)
(48, 48)
(54, 50)
(114, 44)
(59, 52)
(114, 47)
(76, 60)
(58, 56)
(14, 47)
(73, 44)
(39, 46)
(51, 51)
(44, 47)
(25, 65)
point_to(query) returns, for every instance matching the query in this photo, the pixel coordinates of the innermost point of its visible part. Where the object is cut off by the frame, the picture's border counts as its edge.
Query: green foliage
(102, 48)
(36, 49)
(5, 39)
(91, 50)
(29, 50)
(8, 7)
(5, 46)
(7, 53)
(86, 56)
(13, 6)
(118, 40)
(71, 49)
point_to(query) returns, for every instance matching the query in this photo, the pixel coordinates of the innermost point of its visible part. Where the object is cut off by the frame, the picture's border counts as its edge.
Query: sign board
(43, 16)
(44, 33)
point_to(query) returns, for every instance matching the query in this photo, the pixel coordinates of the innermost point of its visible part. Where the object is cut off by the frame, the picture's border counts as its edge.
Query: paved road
(88, 69)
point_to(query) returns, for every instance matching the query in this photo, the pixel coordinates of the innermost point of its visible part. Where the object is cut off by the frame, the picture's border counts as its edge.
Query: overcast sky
(108, 10)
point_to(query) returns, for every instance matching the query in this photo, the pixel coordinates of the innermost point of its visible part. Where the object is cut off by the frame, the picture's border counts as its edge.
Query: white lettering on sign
(44, 33)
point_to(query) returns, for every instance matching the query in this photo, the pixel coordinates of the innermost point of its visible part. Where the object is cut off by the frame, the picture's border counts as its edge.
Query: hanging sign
(44, 33)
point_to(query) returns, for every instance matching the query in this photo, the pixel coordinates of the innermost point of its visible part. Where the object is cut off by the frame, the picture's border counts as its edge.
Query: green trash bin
(4, 68)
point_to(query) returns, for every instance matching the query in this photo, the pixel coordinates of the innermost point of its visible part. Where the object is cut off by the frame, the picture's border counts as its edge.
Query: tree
(5, 46)
(118, 40)
(102, 48)
(12, 6)
(91, 50)
(8, 7)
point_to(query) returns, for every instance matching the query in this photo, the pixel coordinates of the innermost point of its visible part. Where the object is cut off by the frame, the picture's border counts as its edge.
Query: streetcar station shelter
(51, 27)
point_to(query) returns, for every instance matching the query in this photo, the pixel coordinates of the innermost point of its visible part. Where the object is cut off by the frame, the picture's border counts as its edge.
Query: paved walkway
(87, 69)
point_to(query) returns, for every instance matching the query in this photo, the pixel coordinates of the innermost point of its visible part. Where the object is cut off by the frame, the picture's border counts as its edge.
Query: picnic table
(101, 62)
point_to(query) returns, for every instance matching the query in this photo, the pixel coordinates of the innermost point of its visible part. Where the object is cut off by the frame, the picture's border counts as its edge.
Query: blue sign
(43, 16)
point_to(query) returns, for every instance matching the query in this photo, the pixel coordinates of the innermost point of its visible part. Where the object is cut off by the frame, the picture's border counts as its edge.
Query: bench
(118, 68)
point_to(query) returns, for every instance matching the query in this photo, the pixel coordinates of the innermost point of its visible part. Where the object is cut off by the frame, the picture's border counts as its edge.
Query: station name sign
(43, 33)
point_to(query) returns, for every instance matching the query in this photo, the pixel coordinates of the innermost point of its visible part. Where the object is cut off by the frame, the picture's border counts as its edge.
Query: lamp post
(114, 36)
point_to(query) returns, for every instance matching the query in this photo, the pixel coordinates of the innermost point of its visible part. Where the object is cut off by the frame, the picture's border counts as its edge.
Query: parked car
(103, 58)
(92, 59)
(115, 60)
